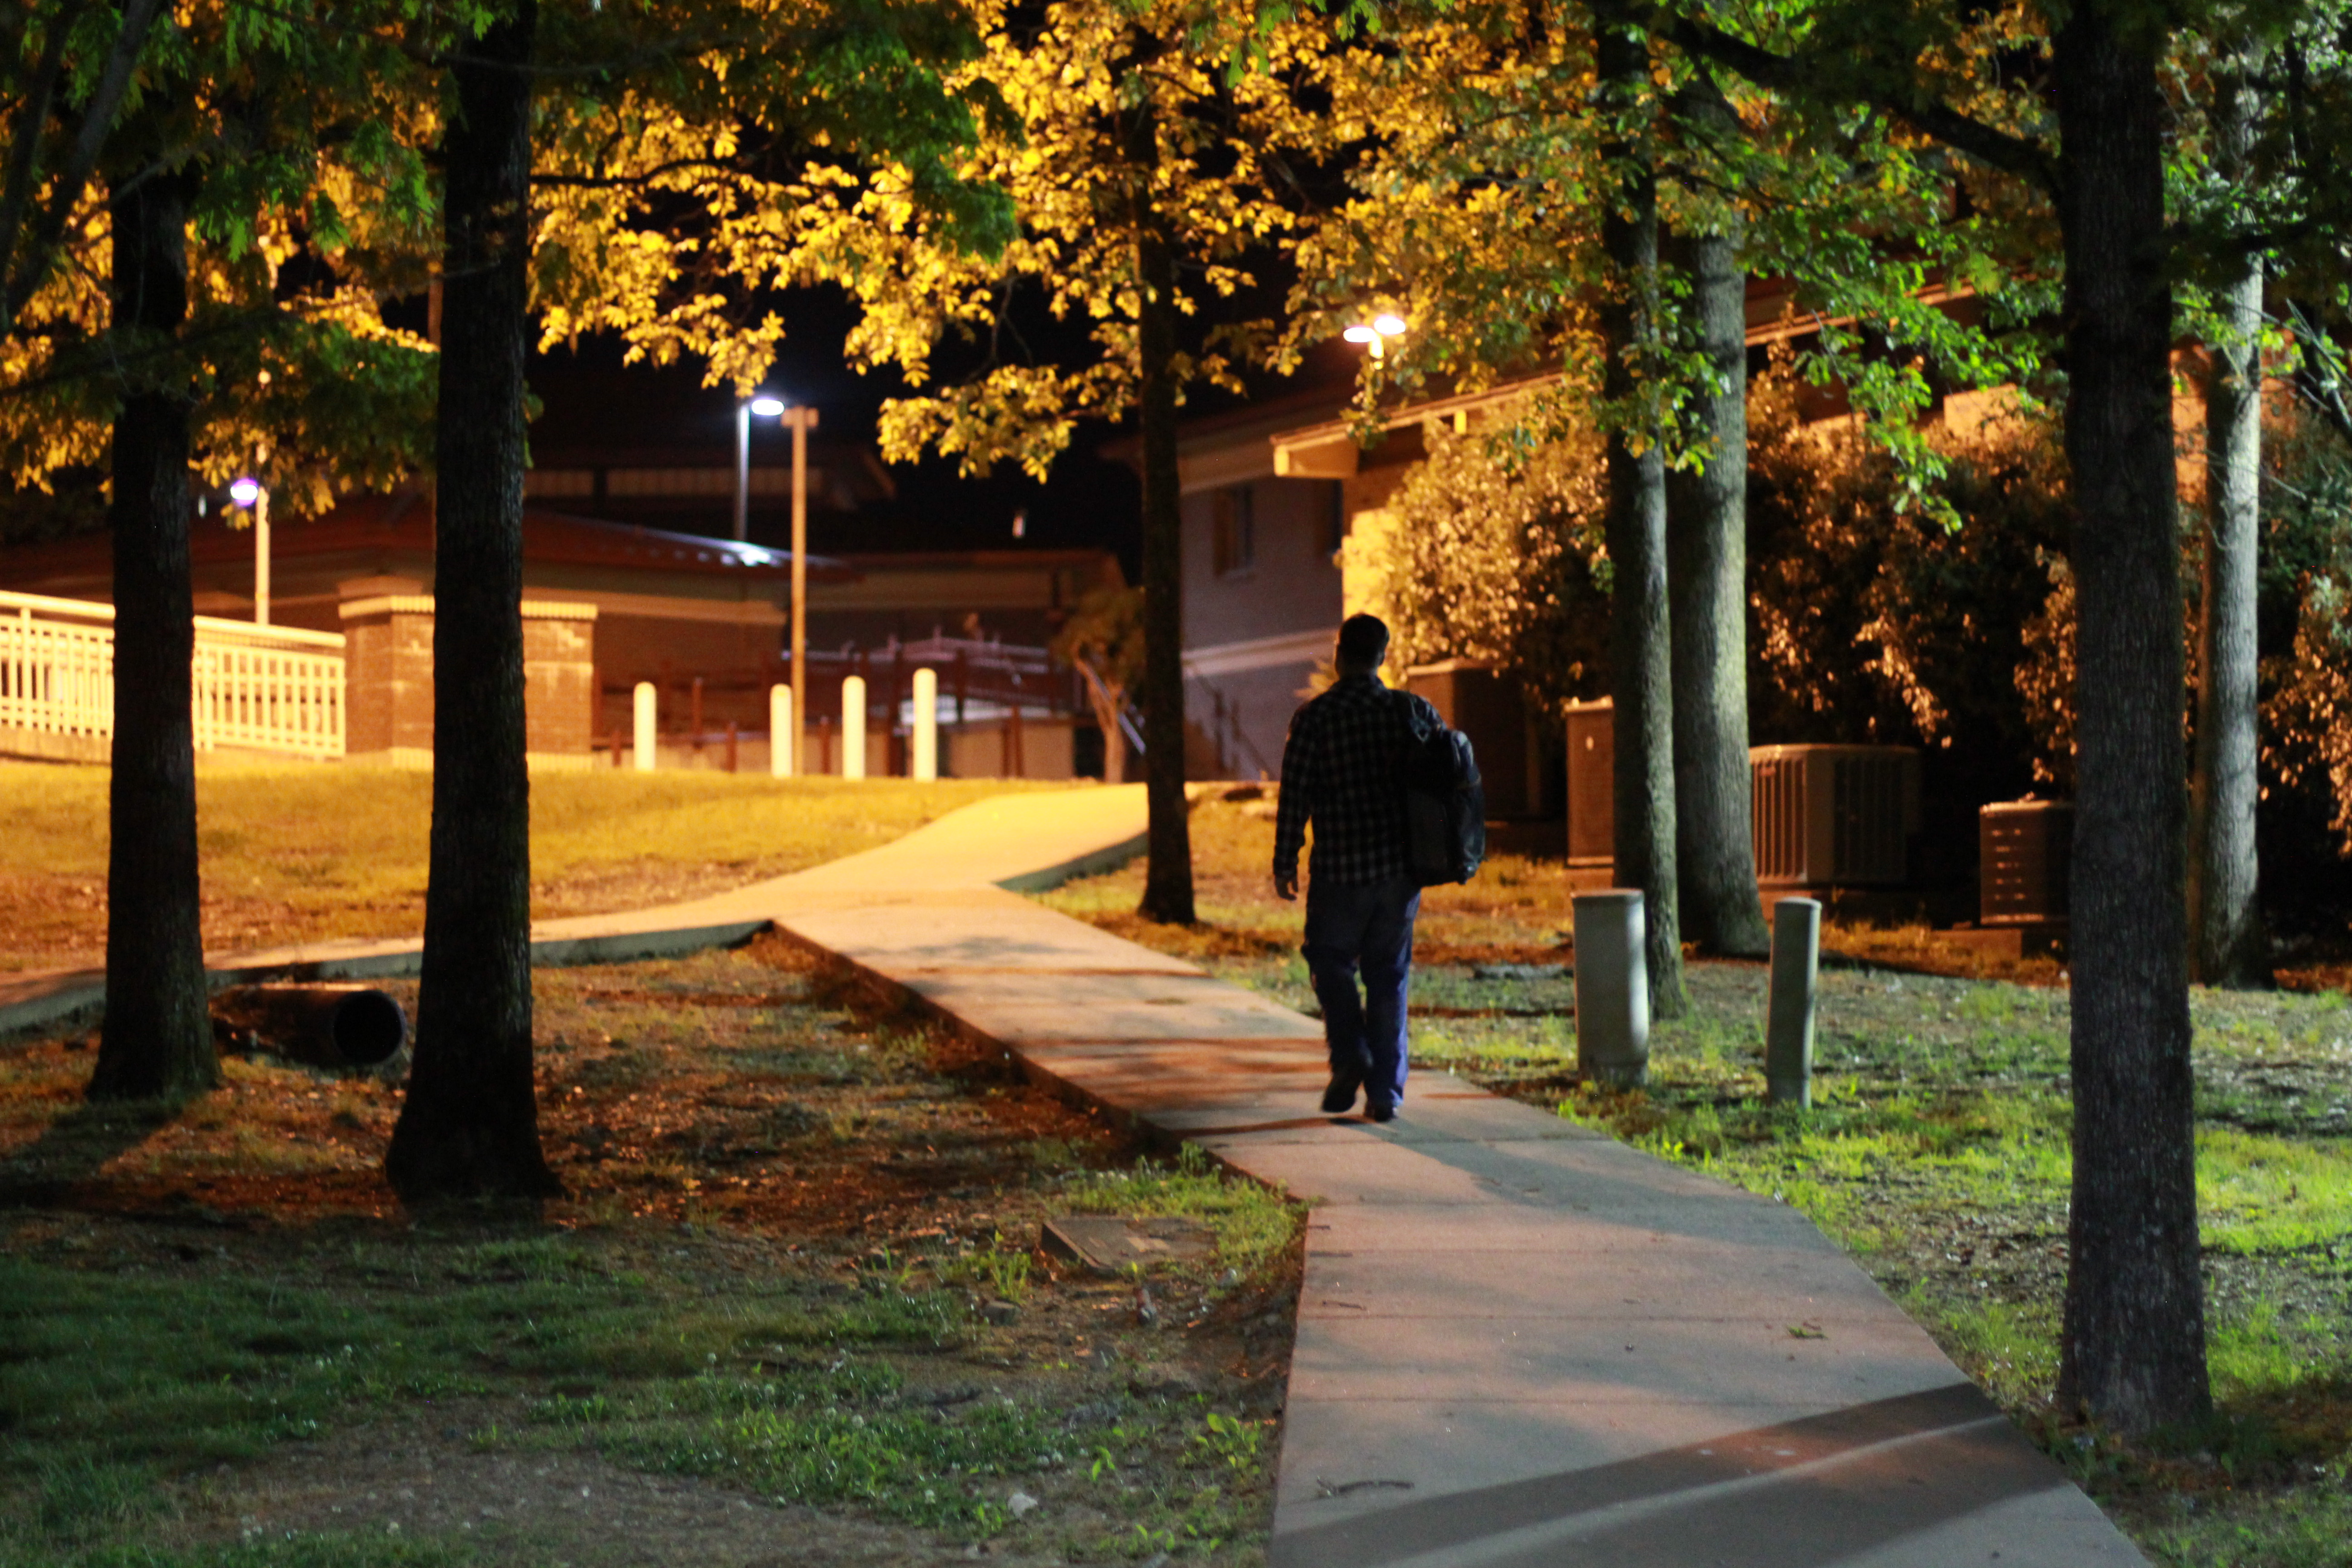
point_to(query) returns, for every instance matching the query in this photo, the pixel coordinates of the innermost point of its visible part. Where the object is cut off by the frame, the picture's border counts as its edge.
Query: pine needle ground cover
(1936, 1154)
(792, 1311)
(305, 852)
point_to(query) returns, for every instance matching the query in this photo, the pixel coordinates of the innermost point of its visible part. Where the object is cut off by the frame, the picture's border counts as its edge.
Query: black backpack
(1444, 800)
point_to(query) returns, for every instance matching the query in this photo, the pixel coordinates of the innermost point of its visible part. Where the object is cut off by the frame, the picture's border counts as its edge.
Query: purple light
(245, 491)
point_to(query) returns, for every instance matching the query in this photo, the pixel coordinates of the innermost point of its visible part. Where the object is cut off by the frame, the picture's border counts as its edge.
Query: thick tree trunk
(1168, 874)
(157, 1038)
(2133, 1351)
(470, 1126)
(1640, 655)
(1706, 581)
(2227, 943)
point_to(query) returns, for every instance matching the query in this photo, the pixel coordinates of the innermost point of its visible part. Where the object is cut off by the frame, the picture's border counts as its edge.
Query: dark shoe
(1380, 1112)
(1340, 1098)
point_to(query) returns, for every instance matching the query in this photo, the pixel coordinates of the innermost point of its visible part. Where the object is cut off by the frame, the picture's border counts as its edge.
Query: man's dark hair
(1363, 641)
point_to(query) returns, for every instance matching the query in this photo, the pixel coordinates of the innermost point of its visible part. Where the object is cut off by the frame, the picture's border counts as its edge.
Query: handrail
(217, 626)
(248, 634)
(85, 609)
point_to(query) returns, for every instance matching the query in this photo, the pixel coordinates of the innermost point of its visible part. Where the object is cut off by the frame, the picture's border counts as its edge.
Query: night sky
(589, 400)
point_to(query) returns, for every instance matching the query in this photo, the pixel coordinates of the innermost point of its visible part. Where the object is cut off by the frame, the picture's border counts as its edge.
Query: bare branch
(1985, 143)
(97, 120)
(25, 146)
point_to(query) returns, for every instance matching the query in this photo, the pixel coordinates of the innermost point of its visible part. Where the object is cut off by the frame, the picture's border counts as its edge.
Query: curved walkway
(1519, 1343)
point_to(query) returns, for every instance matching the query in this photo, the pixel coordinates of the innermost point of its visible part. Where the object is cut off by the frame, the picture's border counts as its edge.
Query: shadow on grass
(77, 1146)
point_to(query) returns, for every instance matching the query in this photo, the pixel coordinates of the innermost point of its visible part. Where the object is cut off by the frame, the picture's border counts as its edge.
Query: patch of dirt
(422, 1476)
(645, 883)
(732, 1117)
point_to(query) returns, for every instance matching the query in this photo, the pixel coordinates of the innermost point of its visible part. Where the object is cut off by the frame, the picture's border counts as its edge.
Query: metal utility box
(1592, 784)
(1488, 707)
(2026, 849)
(1835, 815)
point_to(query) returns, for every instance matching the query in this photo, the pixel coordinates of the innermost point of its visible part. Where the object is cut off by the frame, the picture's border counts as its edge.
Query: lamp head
(767, 405)
(245, 491)
(1389, 324)
(1360, 334)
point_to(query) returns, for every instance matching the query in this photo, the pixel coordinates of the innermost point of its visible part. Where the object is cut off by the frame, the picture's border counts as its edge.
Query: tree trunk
(1639, 656)
(2133, 1350)
(2227, 945)
(1706, 581)
(157, 1038)
(470, 1125)
(1168, 874)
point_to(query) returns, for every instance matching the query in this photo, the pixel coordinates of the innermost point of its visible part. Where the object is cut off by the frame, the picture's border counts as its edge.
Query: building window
(1331, 520)
(1233, 543)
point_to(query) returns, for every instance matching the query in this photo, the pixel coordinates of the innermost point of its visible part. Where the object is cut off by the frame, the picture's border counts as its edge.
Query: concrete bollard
(1788, 1020)
(924, 764)
(1612, 988)
(647, 710)
(852, 727)
(780, 731)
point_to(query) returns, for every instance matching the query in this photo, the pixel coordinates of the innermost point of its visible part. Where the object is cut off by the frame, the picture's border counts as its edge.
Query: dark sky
(1088, 501)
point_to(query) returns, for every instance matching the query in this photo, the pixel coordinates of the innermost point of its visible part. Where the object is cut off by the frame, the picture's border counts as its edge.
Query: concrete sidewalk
(1519, 1343)
(983, 846)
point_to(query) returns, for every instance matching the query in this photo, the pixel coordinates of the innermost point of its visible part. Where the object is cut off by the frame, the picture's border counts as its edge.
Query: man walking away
(1343, 770)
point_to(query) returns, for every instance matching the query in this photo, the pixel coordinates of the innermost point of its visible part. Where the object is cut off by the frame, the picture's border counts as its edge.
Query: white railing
(56, 665)
(265, 688)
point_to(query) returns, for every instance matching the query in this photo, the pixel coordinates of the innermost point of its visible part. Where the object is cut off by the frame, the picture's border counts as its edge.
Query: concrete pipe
(341, 1027)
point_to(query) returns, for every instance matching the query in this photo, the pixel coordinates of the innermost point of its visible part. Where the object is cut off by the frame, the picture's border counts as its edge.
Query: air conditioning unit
(1592, 784)
(1835, 815)
(2026, 848)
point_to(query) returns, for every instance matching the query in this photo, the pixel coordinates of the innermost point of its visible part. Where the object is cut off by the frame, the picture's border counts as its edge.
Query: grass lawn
(303, 852)
(791, 1310)
(1936, 1154)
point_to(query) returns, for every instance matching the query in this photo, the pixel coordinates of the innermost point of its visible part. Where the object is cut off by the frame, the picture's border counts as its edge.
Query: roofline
(1312, 451)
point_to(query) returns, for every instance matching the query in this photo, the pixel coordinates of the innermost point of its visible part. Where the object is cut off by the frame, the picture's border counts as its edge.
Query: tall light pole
(252, 492)
(802, 421)
(743, 410)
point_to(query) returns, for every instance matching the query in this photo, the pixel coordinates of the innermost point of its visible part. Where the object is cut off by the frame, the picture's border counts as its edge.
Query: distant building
(1262, 589)
(1271, 492)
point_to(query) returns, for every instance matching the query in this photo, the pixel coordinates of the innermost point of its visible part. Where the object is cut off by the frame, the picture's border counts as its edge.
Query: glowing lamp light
(1376, 333)
(767, 407)
(245, 491)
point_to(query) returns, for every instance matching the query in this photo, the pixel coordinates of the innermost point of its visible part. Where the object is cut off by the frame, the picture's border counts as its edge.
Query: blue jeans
(1365, 926)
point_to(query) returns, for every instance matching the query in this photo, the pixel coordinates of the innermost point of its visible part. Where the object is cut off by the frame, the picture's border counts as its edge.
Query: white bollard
(852, 727)
(1789, 1018)
(1612, 988)
(780, 731)
(924, 759)
(647, 717)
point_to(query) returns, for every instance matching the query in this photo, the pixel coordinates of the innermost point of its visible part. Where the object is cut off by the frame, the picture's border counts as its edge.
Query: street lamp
(1377, 331)
(767, 405)
(800, 421)
(249, 491)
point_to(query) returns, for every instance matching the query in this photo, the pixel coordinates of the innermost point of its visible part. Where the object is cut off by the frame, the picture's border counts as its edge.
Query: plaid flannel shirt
(1342, 768)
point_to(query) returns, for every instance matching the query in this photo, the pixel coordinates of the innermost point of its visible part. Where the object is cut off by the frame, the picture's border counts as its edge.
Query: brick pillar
(388, 676)
(558, 683)
(387, 672)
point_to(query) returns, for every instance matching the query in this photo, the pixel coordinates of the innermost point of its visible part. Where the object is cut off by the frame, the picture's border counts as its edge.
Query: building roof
(402, 524)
